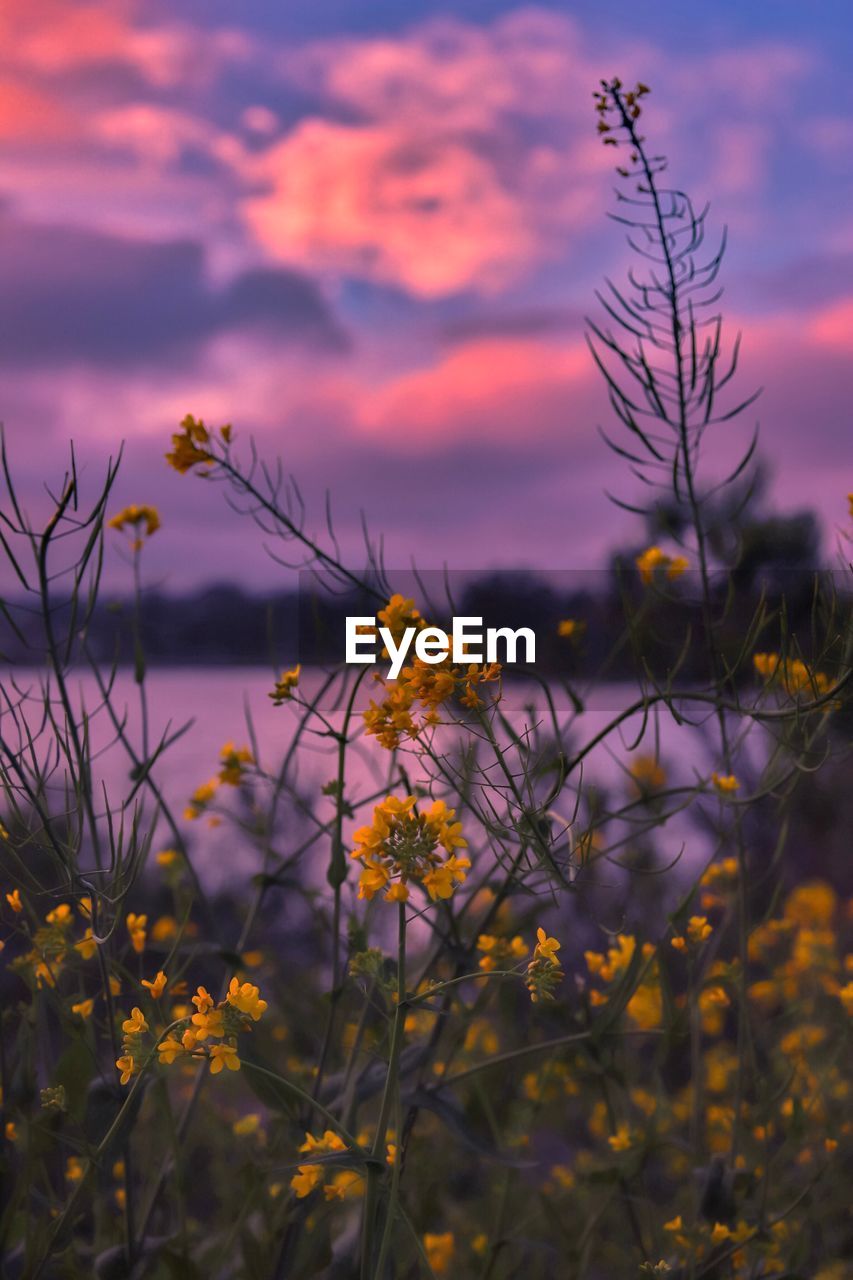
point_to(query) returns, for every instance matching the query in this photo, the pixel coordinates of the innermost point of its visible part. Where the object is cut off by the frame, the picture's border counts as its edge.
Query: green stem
(376, 1167)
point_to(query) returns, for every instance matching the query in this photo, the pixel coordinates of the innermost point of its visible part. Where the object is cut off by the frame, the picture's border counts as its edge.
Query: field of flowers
(485, 1018)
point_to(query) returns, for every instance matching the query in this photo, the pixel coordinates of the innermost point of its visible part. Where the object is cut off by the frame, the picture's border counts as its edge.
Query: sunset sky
(367, 233)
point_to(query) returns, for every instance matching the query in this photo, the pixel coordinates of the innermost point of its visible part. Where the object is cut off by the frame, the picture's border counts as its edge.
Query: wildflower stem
(374, 1171)
(683, 427)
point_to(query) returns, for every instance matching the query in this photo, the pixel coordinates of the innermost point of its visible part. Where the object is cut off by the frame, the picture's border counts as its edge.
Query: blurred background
(369, 233)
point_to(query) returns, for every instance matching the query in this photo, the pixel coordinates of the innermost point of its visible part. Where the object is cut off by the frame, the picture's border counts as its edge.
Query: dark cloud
(72, 295)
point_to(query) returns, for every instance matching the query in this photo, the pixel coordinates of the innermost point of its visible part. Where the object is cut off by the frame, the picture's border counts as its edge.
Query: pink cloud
(832, 328)
(152, 133)
(468, 156)
(451, 72)
(27, 115)
(53, 36)
(436, 186)
(493, 391)
(424, 213)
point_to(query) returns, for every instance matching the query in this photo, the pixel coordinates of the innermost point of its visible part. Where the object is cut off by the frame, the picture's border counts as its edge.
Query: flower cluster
(402, 845)
(285, 684)
(412, 702)
(718, 883)
(499, 952)
(607, 102)
(647, 773)
(792, 675)
(341, 1185)
(544, 973)
(233, 767)
(52, 945)
(645, 1006)
(144, 521)
(698, 931)
(187, 1038)
(191, 445)
(232, 764)
(653, 561)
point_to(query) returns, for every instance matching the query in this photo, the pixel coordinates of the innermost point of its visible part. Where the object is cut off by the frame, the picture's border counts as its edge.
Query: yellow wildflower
(648, 773)
(401, 845)
(223, 1055)
(309, 1176)
(345, 1184)
(87, 946)
(698, 930)
(158, 986)
(201, 798)
(74, 1169)
(208, 1024)
(170, 1049)
(136, 517)
(499, 951)
(125, 1065)
(84, 1008)
(543, 972)
(60, 916)
(725, 783)
(813, 903)
(136, 928)
(546, 947)
(246, 998)
(135, 1024)
(285, 684)
(233, 761)
(439, 1250)
(187, 450)
(203, 1000)
(622, 1139)
(14, 901)
(246, 1125)
(645, 1008)
(653, 559)
(306, 1178)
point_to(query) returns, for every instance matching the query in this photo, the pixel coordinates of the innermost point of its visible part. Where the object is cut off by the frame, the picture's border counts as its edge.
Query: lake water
(216, 702)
